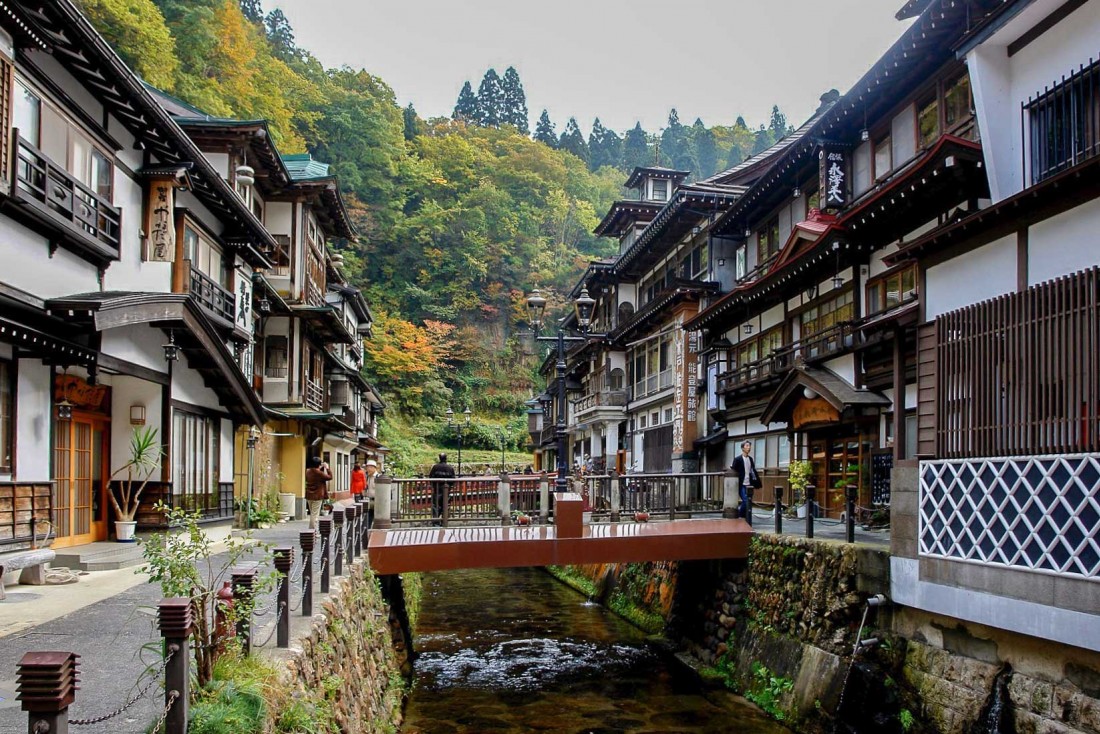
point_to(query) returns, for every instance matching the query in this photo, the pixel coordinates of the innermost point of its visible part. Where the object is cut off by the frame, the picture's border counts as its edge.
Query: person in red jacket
(358, 480)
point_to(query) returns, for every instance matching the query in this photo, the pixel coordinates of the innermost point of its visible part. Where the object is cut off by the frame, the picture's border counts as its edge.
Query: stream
(514, 650)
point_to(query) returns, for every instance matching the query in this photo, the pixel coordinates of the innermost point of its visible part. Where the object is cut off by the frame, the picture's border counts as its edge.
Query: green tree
(466, 108)
(281, 35)
(636, 148)
(675, 145)
(706, 150)
(544, 131)
(605, 147)
(490, 100)
(777, 124)
(252, 11)
(411, 122)
(137, 29)
(514, 101)
(572, 140)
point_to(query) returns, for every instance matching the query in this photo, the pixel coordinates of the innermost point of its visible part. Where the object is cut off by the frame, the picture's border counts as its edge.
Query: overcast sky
(621, 60)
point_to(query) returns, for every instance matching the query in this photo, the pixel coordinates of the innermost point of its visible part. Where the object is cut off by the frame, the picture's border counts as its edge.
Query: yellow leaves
(137, 30)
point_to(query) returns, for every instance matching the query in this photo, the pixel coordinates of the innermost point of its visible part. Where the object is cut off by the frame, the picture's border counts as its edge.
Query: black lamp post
(459, 428)
(584, 305)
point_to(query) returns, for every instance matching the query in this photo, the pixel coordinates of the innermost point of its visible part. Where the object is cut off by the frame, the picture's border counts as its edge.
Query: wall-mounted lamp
(721, 262)
(264, 305)
(171, 351)
(747, 328)
(696, 229)
(796, 192)
(808, 393)
(837, 280)
(137, 415)
(865, 135)
(246, 175)
(64, 407)
(748, 232)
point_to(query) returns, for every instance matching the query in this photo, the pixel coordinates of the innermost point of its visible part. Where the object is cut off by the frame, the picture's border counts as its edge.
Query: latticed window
(1063, 123)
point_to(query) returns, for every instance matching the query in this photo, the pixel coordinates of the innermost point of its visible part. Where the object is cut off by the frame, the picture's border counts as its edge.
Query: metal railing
(1061, 125)
(52, 190)
(212, 295)
(663, 496)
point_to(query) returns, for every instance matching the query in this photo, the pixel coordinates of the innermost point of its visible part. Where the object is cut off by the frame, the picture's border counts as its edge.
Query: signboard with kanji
(833, 177)
(160, 228)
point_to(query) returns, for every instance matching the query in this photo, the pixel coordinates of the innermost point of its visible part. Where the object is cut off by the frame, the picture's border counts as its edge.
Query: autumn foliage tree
(410, 361)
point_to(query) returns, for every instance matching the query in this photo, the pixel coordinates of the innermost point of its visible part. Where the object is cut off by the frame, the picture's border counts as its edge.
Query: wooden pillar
(899, 395)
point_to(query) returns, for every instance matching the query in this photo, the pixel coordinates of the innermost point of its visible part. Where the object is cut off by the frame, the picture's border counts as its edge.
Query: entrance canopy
(814, 396)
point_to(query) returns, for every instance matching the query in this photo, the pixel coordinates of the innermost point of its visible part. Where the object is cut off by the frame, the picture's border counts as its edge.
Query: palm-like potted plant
(145, 452)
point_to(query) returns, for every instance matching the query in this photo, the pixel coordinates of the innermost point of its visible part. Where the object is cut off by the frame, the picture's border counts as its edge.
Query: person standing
(745, 468)
(440, 470)
(318, 475)
(358, 481)
(371, 472)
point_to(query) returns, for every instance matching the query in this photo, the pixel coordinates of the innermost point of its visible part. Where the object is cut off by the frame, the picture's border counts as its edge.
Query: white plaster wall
(970, 278)
(60, 76)
(220, 161)
(129, 273)
(127, 391)
(198, 210)
(844, 366)
(1001, 83)
(1064, 244)
(772, 317)
(37, 272)
(33, 419)
(141, 344)
(187, 385)
(227, 445)
(277, 216)
(876, 264)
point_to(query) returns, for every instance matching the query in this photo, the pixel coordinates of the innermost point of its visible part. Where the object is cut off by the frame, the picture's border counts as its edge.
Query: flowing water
(513, 650)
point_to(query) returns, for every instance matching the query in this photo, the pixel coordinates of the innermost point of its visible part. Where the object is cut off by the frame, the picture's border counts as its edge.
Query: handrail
(817, 346)
(212, 295)
(40, 181)
(314, 395)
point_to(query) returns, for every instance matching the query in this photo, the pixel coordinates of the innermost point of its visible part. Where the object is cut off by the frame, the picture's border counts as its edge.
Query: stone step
(100, 556)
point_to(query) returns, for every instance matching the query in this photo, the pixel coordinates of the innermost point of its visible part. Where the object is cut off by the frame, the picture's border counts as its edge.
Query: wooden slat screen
(1018, 374)
(7, 85)
(926, 389)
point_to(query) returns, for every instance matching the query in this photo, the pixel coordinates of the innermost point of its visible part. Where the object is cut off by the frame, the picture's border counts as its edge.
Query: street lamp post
(459, 428)
(584, 305)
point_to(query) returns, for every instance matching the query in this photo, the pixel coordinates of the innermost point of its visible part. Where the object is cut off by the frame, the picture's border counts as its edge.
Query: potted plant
(144, 459)
(521, 518)
(799, 476)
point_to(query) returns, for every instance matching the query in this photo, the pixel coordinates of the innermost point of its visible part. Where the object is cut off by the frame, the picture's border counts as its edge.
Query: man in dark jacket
(745, 468)
(318, 475)
(440, 470)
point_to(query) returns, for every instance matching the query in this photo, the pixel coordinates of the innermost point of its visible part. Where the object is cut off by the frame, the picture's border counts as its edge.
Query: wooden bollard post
(544, 499)
(244, 582)
(46, 687)
(383, 502)
(850, 511)
(778, 509)
(306, 540)
(749, 491)
(338, 541)
(284, 560)
(175, 621)
(811, 509)
(616, 495)
(325, 524)
(730, 498)
(504, 499)
(352, 532)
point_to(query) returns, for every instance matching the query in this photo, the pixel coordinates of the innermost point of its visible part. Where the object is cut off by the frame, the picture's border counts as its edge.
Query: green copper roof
(302, 167)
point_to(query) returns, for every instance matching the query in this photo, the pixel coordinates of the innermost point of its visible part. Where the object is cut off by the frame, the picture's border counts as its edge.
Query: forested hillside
(458, 217)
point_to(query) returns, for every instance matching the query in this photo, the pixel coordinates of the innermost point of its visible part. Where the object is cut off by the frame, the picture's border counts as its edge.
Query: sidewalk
(109, 619)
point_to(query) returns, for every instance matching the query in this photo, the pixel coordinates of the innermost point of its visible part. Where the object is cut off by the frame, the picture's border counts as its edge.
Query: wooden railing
(600, 399)
(1019, 375)
(314, 395)
(211, 295)
(57, 194)
(827, 343)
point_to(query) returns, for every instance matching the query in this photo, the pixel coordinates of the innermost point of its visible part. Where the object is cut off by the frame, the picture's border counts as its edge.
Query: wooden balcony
(85, 221)
(315, 395)
(828, 343)
(212, 296)
(612, 399)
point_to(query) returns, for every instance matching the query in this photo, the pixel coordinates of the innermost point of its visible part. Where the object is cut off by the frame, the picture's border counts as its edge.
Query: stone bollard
(175, 622)
(811, 504)
(778, 509)
(284, 560)
(850, 511)
(383, 500)
(46, 685)
(351, 532)
(338, 542)
(616, 496)
(244, 582)
(306, 539)
(504, 499)
(544, 499)
(325, 525)
(749, 492)
(730, 498)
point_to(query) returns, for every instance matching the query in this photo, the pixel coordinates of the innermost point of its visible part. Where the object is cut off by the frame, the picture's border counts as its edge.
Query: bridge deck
(440, 549)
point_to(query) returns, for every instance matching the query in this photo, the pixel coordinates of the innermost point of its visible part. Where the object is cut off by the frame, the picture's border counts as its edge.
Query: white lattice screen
(1036, 513)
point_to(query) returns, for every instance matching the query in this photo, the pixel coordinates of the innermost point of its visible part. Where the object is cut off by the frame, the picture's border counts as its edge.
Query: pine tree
(604, 146)
(466, 108)
(735, 156)
(706, 150)
(572, 140)
(281, 35)
(412, 122)
(777, 126)
(515, 101)
(636, 148)
(763, 140)
(490, 100)
(544, 131)
(252, 11)
(675, 147)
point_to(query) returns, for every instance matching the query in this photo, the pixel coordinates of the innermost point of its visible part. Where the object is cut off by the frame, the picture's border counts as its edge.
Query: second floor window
(1063, 124)
(660, 190)
(275, 357)
(652, 362)
(204, 255)
(741, 260)
(750, 350)
(825, 315)
(891, 290)
(767, 243)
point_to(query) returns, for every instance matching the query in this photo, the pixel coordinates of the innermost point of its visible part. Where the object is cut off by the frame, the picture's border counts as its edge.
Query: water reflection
(512, 650)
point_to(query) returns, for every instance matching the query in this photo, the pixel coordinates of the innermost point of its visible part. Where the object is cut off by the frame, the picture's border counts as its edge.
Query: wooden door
(81, 469)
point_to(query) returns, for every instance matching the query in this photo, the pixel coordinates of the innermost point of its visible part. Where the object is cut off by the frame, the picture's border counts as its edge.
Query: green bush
(767, 690)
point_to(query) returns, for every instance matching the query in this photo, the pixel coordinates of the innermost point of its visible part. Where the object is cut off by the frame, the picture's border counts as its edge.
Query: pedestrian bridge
(567, 541)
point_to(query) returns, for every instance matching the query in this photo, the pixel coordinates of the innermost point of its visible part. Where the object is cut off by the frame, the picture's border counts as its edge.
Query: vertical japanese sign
(160, 227)
(833, 177)
(685, 399)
